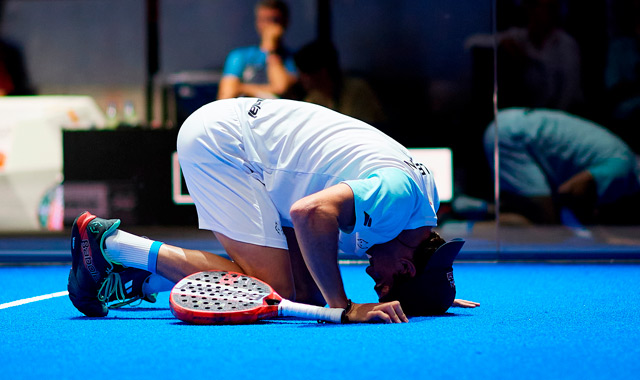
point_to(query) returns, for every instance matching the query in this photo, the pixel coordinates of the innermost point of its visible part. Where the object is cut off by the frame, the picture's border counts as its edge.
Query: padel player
(285, 186)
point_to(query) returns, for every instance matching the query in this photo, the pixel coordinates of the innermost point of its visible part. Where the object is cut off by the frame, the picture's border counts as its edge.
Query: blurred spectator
(323, 83)
(550, 160)
(622, 75)
(538, 63)
(13, 74)
(267, 70)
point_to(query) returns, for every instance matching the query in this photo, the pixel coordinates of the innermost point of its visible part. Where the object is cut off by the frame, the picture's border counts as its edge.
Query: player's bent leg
(271, 265)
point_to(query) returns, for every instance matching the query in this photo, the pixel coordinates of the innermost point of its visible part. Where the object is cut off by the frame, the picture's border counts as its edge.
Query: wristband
(344, 318)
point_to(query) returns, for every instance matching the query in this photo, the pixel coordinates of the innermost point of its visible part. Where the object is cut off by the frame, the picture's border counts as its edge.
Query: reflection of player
(266, 70)
(551, 159)
(285, 186)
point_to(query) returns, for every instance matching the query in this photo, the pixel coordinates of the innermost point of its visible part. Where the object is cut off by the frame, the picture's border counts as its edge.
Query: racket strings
(222, 292)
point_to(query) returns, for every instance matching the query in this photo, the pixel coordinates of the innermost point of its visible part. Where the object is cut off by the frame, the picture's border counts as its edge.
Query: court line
(33, 299)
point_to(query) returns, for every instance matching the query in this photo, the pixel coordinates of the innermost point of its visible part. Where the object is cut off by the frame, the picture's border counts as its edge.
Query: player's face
(382, 279)
(384, 266)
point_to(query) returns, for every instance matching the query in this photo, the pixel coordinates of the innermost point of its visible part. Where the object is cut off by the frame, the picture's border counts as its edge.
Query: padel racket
(221, 297)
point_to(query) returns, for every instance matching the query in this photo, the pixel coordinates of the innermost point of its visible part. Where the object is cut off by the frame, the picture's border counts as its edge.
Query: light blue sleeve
(235, 63)
(384, 204)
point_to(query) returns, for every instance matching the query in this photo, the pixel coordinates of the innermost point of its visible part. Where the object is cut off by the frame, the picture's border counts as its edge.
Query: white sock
(156, 284)
(132, 251)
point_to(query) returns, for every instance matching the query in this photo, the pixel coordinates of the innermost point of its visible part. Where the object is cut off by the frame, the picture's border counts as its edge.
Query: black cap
(432, 290)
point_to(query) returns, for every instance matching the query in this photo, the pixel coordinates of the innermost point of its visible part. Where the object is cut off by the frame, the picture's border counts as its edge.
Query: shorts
(229, 197)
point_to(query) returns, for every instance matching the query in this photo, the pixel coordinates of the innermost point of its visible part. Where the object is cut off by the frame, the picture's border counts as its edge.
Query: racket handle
(288, 308)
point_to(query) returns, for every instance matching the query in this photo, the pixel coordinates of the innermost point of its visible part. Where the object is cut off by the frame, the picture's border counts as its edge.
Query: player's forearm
(317, 235)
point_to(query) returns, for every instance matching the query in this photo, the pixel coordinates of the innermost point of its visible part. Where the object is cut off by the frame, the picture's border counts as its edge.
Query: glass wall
(567, 128)
(430, 65)
(423, 72)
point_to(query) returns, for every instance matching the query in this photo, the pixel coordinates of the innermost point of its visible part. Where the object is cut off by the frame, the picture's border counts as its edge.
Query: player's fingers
(395, 318)
(400, 313)
(465, 303)
(394, 310)
(396, 313)
(379, 315)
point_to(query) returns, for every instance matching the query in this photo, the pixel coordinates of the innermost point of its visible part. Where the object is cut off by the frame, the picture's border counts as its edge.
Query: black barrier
(124, 174)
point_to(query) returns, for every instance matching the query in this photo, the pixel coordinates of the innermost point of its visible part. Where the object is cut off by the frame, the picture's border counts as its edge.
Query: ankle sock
(132, 251)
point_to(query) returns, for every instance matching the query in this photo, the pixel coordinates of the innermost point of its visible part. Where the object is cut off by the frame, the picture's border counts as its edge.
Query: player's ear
(407, 267)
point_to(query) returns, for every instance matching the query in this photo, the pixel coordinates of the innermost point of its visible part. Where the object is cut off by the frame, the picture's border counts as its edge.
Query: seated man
(285, 186)
(551, 160)
(267, 70)
(324, 83)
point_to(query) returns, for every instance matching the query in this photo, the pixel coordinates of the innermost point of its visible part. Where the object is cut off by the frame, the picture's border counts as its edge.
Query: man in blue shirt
(266, 70)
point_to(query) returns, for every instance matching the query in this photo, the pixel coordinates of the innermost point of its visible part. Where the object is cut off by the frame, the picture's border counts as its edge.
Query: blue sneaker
(93, 279)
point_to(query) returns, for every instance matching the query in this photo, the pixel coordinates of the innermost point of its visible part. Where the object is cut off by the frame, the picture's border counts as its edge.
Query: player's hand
(388, 312)
(465, 304)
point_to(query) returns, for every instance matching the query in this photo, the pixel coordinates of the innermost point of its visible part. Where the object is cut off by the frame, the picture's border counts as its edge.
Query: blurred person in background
(622, 73)
(13, 74)
(324, 83)
(539, 63)
(266, 70)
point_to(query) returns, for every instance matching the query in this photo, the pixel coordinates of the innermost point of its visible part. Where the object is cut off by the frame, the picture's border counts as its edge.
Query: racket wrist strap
(345, 318)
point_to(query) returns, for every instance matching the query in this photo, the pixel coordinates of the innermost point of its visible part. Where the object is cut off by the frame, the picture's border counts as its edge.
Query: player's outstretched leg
(92, 274)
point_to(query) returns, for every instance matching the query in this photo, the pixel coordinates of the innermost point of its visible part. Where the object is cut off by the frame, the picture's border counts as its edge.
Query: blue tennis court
(537, 320)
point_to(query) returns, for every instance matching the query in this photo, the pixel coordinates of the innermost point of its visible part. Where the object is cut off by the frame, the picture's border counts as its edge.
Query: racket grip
(288, 308)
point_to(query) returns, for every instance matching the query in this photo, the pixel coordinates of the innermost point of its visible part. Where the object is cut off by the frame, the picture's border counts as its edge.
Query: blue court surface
(537, 320)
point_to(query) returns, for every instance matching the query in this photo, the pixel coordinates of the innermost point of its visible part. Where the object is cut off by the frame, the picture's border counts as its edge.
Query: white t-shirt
(295, 149)
(299, 148)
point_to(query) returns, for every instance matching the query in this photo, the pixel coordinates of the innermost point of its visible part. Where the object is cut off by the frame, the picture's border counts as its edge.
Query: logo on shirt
(362, 244)
(367, 220)
(253, 112)
(450, 278)
(418, 167)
